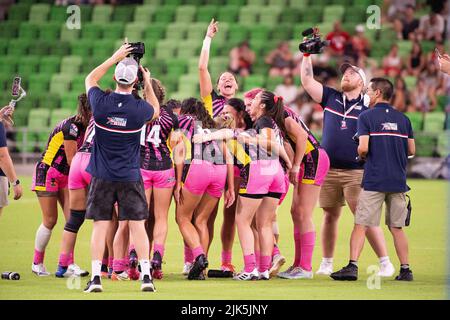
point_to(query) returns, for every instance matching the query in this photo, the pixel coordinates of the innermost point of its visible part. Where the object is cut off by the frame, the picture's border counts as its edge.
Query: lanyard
(346, 113)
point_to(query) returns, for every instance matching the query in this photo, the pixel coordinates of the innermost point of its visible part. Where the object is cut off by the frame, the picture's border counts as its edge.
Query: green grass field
(427, 235)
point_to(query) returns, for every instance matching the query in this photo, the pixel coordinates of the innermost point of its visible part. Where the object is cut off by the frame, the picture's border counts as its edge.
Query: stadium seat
(313, 14)
(273, 82)
(134, 31)
(291, 15)
(188, 86)
(92, 31)
(123, 14)
(144, 13)
(78, 83)
(8, 65)
(113, 31)
(20, 119)
(164, 49)
(49, 65)
(206, 13)
(69, 34)
(48, 100)
(434, 122)
(188, 49)
(194, 2)
(103, 48)
(81, 48)
(425, 144)
(443, 143)
(58, 115)
(38, 83)
(61, 49)
(69, 102)
(228, 13)
(41, 47)
(176, 67)
(404, 47)
(49, 31)
(416, 119)
(197, 31)
(253, 81)
(248, 15)
(28, 31)
(58, 14)
(155, 32)
(259, 32)
(154, 2)
(18, 47)
(355, 14)
(269, 15)
(18, 12)
(9, 29)
(281, 3)
(282, 31)
(38, 118)
(237, 34)
(176, 31)
(28, 65)
(101, 14)
(164, 14)
(185, 14)
(302, 4)
(71, 65)
(238, 3)
(60, 83)
(39, 13)
(333, 13)
(443, 102)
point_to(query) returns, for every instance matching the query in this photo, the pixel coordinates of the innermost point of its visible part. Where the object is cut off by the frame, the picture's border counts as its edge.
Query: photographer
(7, 172)
(115, 163)
(385, 142)
(343, 181)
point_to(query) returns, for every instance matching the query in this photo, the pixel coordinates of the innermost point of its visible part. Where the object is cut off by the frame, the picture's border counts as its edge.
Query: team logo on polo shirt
(115, 121)
(389, 126)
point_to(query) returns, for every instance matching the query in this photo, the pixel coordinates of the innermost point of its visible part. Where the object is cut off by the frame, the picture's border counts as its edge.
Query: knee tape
(75, 221)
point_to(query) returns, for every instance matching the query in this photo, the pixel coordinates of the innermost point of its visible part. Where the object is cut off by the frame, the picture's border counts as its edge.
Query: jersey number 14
(153, 136)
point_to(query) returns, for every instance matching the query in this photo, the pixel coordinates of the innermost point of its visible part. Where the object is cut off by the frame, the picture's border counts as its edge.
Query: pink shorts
(263, 177)
(286, 184)
(158, 179)
(79, 178)
(314, 168)
(201, 177)
(48, 179)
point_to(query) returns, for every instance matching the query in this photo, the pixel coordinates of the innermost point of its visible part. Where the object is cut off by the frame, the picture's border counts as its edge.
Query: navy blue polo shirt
(119, 119)
(2, 142)
(388, 131)
(339, 127)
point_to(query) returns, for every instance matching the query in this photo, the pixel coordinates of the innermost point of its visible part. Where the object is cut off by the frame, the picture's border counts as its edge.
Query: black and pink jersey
(89, 141)
(155, 153)
(214, 103)
(312, 143)
(267, 122)
(208, 151)
(54, 154)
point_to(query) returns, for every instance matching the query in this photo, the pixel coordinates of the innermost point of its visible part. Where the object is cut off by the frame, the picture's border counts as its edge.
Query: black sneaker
(405, 275)
(348, 273)
(157, 266)
(200, 264)
(147, 284)
(94, 285)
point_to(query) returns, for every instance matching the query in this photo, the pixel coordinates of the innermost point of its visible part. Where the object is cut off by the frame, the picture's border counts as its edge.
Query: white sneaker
(94, 285)
(246, 276)
(77, 271)
(186, 268)
(264, 275)
(286, 272)
(298, 273)
(386, 270)
(325, 269)
(39, 269)
(277, 262)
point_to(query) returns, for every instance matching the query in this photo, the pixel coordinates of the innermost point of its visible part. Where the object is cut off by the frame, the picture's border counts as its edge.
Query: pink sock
(104, 262)
(160, 248)
(298, 248)
(38, 257)
(197, 251)
(307, 242)
(275, 251)
(249, 263)
(64, 259)
(264, 264)
(258, 258)
(71, 258)
(110, 262)
(188, 256)
(226, 257)
(119, 265)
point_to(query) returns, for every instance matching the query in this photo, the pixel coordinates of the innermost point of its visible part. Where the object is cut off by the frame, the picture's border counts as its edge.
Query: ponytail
(275, 109)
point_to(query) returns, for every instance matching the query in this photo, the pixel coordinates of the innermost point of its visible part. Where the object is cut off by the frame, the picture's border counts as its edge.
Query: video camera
(137, 54)
(313, 44)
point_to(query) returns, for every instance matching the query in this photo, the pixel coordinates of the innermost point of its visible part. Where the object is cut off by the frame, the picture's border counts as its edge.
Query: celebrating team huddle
(123, 158)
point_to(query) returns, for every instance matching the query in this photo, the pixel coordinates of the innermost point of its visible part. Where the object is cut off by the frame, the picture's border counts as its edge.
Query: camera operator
(7, 172)
(343, 181)
(385, 141)
(115, 164)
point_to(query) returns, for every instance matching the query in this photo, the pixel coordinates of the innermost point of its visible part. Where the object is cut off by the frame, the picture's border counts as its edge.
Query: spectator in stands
(397, 8)
(338, 38)
(423, 97)
(360, 44)
(392, 63)
(288, 90)
(431, 27)
(242, 59)
(416, 60)
(406, 25)
(444, 63)
(281, 60)
(433, 78)
(400, 100)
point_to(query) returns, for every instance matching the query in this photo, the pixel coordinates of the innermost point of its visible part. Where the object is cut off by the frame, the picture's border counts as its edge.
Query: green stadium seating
(20, 119)
(238, 3)
(28, 31)
(206, 13)
(38, 83)
(237, 34)
(259, 32)
(176, 31)
(155, 32)
(81, 48)
(326, 27)
(404, 47)
(188, 86)
(176, 66)
(60, 49)
(346, 3)
(71, 65)
(101, 14)
(60, 83)
(272, 82)
(113, 31)
(164, 14)
(58, 115)
(18, 47)
(260, 3)
(58, 14)
(301, 4)
(103, 48)
(434, 122)
(28, 65)
(291, 15)
(92, 31)
(355, 14)
(38, 118)
(416, 119)
(69, 34)
(427, 46)
(69, 102)
(313, 14)
(40, 47)
(197, 31)
(194, 2)
(333, 13)
(9, 29)
(39, 12)
(19, 12)
(425, 144)
(253, 81)
(164, 49)
(282, 32)
(8, 65)
(443, 143)
(144, 13)
(49, 31)
(49, 65)
(281, 3)
(5, 82)
(269, 15)
(134, 31)
(228, 13)
(123, 14)
(188, 49)
(154, 2)
(185, 14)
(442, 101)
(3, 47)
(248, 15)
(78, 83)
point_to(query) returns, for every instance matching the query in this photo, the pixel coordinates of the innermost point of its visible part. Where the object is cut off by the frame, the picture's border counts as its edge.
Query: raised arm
(205, 78)
(222, 134)
(94, 77)
(311, 85)
(150, 96)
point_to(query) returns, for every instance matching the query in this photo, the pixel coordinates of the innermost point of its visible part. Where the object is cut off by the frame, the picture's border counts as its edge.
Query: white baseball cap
(126, 71)
(358, 70)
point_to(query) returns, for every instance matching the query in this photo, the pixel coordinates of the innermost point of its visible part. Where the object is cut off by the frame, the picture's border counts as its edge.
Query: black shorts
(130, 197)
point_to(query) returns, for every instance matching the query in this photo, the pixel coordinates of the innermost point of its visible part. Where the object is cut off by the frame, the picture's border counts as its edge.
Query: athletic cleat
(110, 272)
(227, 267)
(277, 262)
(147, 284)
(133, 274)
(347, 273)
(264, 275)
(200, 264)
(63, 272)
(386, 270)
(104, 275)
(39, 269)
(94, 285)
(157, 266)
(405, 275)
(296, 273)
(247, 276)
(123, 276)
(286, 272)
(325, 269)
(133, 263)
(77, 271)
(186, 268)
